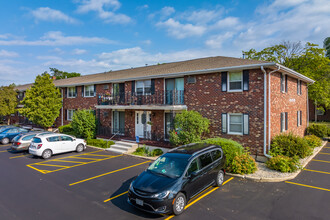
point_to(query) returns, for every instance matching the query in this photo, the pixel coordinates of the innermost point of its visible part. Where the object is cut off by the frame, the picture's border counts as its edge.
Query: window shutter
(300, 117)
(246, 128)
(282, 76)
(224, 123)
(286, 83)
(133, 87)
(75, 92)
(298, 120)
(152, 86)
(65, 114)
(286, 121)
(298, 86)
(223, 81)
(94, 90)
(65, 92)
(281, 121)
(245, 80)
(82, 91)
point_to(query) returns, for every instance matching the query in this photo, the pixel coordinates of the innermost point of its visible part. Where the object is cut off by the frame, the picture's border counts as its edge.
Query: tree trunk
(8, 120)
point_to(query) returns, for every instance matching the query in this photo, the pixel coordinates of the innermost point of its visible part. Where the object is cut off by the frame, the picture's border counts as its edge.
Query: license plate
(139, 202)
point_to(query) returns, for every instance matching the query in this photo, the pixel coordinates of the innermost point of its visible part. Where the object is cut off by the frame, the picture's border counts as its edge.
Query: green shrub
(318, 130)
(283, 163)
(313, 141)
(84, 124)
(156, 152)
(144, 151)
(67, 129)
(230, 148)
(99, 143)
(243, 164)
(290, 145)
(189, 128)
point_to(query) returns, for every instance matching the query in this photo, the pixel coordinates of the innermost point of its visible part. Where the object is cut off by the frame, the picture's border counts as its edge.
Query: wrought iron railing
(168, 97)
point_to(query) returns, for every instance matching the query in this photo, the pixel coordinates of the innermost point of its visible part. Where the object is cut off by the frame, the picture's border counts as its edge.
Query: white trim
(228, 83)
(143, 107)
(85, 96)
(228, 123)
(67, 114)
(68, 92)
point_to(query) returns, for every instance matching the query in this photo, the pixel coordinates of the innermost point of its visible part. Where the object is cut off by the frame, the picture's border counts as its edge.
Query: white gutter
(294, 73)
(265, 112)
(62, 109)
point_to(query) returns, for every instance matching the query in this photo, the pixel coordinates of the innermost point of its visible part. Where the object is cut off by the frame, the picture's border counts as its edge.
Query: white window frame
(228, 123)
(89, 91)
(299, 118)
(68, 92)
(284, 119)
(284, 82)
(299, 87)
(144, 86)
(70, 114)
(228, 82)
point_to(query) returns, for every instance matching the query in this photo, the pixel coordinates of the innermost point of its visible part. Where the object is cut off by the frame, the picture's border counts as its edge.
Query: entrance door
(174, 91)
(142, 128)
(118, 122)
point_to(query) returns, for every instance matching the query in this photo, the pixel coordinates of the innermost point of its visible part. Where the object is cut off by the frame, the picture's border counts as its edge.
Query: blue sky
(93, 36)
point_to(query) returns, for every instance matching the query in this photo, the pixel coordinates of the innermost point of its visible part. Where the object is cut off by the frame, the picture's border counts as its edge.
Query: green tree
(61, 74)
(8, 101)
(326, 45)
(309, 60)
(189, 128)
(42, 102)
(84, 124)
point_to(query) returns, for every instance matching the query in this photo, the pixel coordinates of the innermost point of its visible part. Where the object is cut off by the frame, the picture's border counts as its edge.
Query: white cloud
(180, 31)
(203, 16)
(166, 11)
(142, 7)
(56, 38)
(5, 53)
(218, 40)
(79, 51)
(147, 42)
(48, 14)
(101, 6)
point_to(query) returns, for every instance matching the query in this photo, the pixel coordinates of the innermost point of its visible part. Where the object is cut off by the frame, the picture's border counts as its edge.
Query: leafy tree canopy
(8, 100)
(309, 60)
(42, 102)
(61, 74)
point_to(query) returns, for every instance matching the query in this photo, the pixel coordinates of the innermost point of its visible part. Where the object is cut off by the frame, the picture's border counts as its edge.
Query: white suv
(49, 144)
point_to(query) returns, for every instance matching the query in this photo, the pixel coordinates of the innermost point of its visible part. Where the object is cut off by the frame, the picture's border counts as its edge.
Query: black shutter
(245, 80)
(223, 81)
(282, 78)
(94, 90)
(65, 114)
(246, 127)
(152, 87)
(281, 121)
(298, 86)
(224, 123)
(286, 83)
(82, 91)
(300, 117)
(298, 120)
(133, 87)
(65, 92)
(286, 121)
(75, 92)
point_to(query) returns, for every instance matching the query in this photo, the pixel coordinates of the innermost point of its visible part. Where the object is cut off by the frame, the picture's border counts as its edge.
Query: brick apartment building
(246, 100)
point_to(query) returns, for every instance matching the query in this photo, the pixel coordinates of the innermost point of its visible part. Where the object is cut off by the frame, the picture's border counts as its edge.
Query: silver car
(22, 142)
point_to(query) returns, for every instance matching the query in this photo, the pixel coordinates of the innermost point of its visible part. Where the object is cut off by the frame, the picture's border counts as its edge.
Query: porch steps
(122, 147)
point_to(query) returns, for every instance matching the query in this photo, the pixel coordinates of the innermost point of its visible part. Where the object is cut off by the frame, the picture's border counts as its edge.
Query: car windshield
(172, 167)
(36, 140)
(17, 137)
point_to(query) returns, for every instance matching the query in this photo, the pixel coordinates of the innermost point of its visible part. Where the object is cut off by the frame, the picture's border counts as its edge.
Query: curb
(281, 179)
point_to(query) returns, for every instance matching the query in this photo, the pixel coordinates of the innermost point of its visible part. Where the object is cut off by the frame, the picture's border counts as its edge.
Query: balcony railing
(168, 97)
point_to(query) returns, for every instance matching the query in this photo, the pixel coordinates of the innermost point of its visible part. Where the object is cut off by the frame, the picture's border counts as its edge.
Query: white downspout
(62, 109)
(265, 113)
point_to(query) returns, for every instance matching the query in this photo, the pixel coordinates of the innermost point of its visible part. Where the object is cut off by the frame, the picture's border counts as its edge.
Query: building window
(89, 91)
(284, 83)
(71, 92)
(143, 87)
(235, 81)
(284, 121)
(70, 114)
(299, 118)
(235, 123)
(298, 87)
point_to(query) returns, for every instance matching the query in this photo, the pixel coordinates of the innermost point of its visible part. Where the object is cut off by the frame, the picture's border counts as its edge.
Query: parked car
(48, 144)
(4, 127)
(9, 133)
(176, 177)
(22, 141)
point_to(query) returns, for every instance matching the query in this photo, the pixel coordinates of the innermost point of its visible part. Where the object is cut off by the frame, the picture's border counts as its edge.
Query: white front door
(142, 128)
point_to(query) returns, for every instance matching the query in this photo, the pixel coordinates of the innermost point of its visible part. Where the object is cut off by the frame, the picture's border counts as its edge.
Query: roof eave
(294, 73)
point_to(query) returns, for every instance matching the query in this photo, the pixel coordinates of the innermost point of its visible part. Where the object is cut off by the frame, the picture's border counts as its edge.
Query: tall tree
(61, 74)
(326, 45)
(8, 101)
(42, 102)
(309, 60)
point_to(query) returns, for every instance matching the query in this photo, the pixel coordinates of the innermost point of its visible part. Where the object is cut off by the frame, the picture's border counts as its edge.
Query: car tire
(46, 154)
(80, 148)
(220, 178)
(179, 204)
(5, 141)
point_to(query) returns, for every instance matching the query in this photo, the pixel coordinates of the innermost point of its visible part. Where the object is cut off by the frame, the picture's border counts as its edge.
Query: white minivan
(47, 145)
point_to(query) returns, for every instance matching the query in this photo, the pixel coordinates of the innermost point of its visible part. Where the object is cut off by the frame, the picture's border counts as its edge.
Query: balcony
(158, 100)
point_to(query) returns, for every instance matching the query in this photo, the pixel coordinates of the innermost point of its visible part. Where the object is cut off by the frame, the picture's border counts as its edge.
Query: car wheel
(5, 141)
(80, 148)
(46, 154)
(220, 178)
(179, 204)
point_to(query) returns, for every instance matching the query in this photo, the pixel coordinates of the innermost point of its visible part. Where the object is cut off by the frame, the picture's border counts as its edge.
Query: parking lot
(93, 185)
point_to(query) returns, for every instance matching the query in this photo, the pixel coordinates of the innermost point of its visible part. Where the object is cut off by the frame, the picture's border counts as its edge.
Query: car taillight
(39, 146)
(18, 143)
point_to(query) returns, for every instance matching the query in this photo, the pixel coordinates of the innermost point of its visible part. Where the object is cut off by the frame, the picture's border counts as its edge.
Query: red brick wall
(289, 102)
(157, 119)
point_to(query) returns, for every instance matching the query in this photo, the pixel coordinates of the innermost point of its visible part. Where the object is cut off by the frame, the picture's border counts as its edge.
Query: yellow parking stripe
(209, 192)
(67, 161)
(324, 153)
(107, 200)
(104, 174)
(99, 155)
(314, 187)
(324, 161)
(317, 171)
(3, 151)
(77, 157)
(25, 155)
(51, 165)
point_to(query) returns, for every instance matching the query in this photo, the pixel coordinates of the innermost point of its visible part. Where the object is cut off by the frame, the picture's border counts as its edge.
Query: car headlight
(161, 195)
(131, 186)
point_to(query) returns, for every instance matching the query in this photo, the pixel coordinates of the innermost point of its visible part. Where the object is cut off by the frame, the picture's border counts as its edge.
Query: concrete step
(115, 150)
(128, 144)
(120, 147)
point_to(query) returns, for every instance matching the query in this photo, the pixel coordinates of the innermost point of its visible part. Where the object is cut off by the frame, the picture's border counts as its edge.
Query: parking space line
(99, 155)
(104, 174)
(199, 198)
(314, 187)
(107, 200)
(25, 155)
(3, 151)
(324, 161)
(51, 165)
(317, 171)
(77, 157)
(324, 153)
(67, 161)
